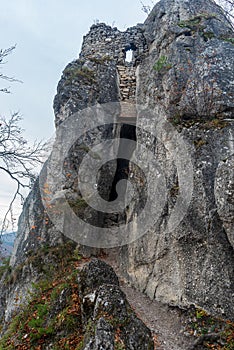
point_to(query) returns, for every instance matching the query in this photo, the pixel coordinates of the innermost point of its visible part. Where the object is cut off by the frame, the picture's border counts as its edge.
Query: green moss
(40, 322)
(202, 323)
(57, 291)
(80, 346)
(194, 22)
(53, 254)
(161, 64)
(66, 321)
(176, 119)
(78, 204)
(208, 35)
(79, 73)
(199, 143)
(191, 23)
(119, 346)
(84, 148)
(100, 60)
(228, 40)
(5, 267)
(215, 123)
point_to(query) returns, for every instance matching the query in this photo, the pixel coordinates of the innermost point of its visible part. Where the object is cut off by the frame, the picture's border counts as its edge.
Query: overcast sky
(48, 35)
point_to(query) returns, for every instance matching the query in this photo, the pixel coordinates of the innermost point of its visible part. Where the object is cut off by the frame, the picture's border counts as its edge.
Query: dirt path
(164, 321)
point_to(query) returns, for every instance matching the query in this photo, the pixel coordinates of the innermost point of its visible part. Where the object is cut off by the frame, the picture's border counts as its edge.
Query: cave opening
(127, 131)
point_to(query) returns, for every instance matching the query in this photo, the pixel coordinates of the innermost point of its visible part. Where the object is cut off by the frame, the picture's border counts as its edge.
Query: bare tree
(3, 54)
(147, 8)
(228, 7)
(18, 159)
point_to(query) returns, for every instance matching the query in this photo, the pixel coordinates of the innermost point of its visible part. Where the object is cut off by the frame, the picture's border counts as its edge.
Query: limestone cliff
(174, 100)
(188, 76)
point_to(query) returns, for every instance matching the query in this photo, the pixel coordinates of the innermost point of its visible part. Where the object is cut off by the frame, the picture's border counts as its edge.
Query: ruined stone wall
(105, 41)
(101, 74)
(127, 82)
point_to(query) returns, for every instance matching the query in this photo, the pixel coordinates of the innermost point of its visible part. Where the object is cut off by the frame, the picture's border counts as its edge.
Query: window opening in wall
(129, 56)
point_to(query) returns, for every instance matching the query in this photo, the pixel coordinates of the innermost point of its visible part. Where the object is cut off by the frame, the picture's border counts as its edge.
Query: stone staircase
(127, 86)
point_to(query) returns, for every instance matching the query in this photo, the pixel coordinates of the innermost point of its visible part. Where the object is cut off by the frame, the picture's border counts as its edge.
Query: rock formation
(90, 313)
(188, 76)
(176, 98)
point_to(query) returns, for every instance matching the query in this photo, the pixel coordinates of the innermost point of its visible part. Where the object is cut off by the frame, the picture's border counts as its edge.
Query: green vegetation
(100, 60)
(162, 64)
(197, 24)
(176, 119)
(199, 143)
(45, 261)
(46, 319)
(80, 203)
(215, 123)
(194, 22)
(92, 154)
(219, 334)
(119, 346)
(4, 267)
(76, 73)
(228, 40)
(84, 148)
(208, 35)
(180, 121)
(191, 23)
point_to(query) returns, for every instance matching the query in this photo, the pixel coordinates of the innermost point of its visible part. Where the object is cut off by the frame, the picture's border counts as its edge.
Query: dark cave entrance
(127, 131)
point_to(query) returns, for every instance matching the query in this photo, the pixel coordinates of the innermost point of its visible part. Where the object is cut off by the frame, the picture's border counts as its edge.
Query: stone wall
(101, 74)
(105, 41)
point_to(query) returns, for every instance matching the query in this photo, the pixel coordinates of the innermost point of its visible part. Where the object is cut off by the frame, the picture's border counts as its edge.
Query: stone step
(128, 110)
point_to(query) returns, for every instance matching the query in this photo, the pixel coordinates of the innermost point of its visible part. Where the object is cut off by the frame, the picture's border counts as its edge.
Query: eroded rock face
(187, 79)
(106, 305)
(85, 310)
(183, 61)
(224, 194)
(190, 65)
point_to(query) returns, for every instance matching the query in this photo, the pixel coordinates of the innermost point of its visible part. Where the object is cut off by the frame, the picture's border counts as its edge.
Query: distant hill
(7, 241)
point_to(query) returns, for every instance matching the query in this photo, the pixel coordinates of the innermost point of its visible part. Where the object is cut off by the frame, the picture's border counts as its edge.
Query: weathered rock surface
(112, 318)
(61, 314)
(184, 74)
(190, 65)
(187, 78)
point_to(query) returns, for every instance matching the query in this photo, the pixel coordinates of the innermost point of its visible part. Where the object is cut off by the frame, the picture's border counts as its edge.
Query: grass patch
(218, 334)
(5, 266)
(77, 73)
(228, 40)
(199, 143)
(180, 121)
(162, 64)
(208, 35)
(194, 22)
(101, 60)
(45, 319)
